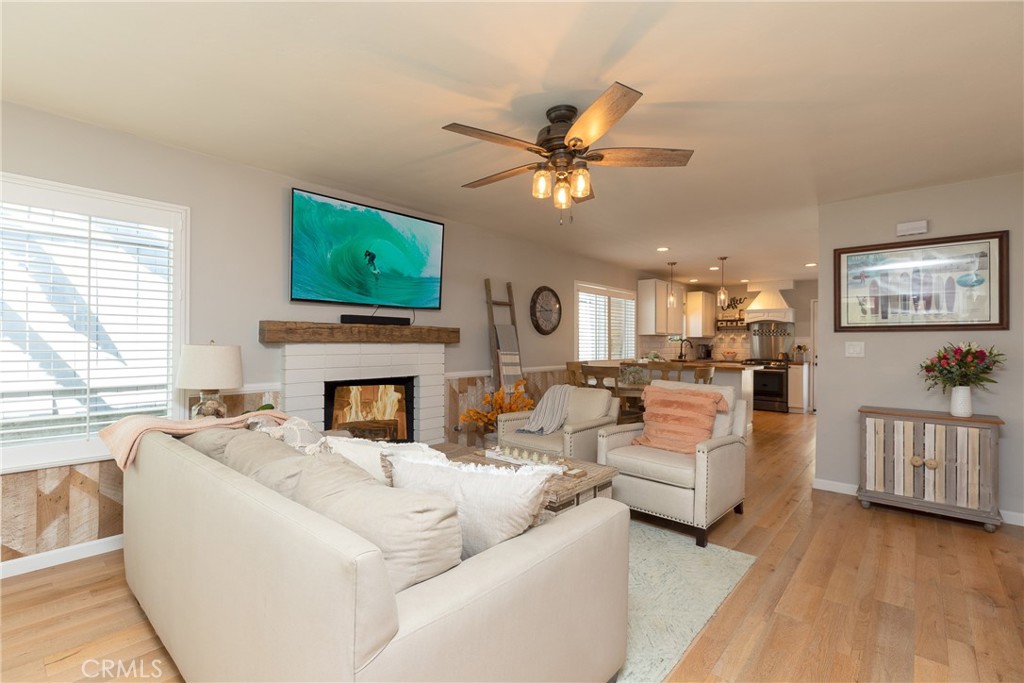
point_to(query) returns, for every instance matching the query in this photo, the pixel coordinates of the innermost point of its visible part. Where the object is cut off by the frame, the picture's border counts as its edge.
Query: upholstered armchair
(693, 489)
(589, 410)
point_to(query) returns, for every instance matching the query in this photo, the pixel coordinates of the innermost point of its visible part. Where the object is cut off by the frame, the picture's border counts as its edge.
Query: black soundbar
(373, 320)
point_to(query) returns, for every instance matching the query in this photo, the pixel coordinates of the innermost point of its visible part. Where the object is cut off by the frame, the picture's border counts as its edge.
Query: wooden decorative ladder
(506, 365)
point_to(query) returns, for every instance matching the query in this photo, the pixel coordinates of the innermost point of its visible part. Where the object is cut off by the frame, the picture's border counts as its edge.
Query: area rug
(674, 589)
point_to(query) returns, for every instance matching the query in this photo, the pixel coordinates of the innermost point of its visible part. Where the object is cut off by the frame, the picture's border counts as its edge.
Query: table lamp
(202, 366)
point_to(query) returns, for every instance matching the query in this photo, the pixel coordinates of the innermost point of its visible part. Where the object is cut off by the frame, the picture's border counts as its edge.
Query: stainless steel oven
(771, 386)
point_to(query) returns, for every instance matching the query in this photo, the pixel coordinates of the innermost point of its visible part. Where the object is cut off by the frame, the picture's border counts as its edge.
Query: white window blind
(88, 329)
(605, 323)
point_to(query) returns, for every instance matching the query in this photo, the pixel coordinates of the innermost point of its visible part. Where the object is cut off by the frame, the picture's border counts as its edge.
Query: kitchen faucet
(682, 342)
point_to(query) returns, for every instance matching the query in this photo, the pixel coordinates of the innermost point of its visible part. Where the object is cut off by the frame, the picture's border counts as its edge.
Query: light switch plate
(854, 349)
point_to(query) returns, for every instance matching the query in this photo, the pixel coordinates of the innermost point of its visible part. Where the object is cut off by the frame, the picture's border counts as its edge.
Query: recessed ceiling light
(662, 248)
(713, 268)
(693, 279)
(810, 265)
(744, 280)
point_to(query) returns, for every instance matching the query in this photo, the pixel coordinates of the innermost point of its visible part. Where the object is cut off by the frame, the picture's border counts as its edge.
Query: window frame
(73, 198)
(599, 290)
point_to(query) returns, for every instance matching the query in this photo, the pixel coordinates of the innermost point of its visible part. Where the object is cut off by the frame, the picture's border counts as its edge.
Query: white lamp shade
(208, 366)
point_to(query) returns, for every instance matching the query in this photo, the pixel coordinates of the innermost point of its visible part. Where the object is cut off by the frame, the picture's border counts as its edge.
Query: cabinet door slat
(940, 460)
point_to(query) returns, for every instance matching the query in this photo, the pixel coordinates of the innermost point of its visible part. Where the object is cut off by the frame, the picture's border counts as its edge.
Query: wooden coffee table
(563, 492)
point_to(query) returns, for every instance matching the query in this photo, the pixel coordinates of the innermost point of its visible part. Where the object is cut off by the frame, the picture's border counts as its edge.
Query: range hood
(769, 304)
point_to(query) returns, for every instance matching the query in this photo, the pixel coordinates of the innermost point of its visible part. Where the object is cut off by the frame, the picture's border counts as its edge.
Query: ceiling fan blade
(497, 138)
(638, 156)
(518, 170)
(590, 196)
(611, 106)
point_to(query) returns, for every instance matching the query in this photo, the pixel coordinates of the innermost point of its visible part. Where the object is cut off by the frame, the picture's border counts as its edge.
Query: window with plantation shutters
(90, 295)
(605, 323)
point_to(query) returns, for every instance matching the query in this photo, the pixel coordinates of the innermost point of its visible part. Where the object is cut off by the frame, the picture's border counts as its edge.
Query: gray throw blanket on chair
(551, 411)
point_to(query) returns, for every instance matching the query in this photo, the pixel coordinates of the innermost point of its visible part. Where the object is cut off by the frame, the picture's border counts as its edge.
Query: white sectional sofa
(243, 584)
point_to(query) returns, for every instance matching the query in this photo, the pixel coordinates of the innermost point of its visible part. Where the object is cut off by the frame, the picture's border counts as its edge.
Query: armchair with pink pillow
(686, 462)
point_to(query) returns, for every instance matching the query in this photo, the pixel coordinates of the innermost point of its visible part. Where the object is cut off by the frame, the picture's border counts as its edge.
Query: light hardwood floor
(837, 593)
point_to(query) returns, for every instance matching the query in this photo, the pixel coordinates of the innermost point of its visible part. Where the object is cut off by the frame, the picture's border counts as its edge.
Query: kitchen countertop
(717, 364)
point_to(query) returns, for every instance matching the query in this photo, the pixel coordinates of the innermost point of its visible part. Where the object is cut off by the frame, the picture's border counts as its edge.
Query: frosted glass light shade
(209, 366)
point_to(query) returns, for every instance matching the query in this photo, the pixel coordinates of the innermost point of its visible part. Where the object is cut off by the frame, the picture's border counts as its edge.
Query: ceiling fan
(565, 146)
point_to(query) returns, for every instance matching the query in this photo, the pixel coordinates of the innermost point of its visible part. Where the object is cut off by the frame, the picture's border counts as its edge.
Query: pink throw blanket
(122, 437)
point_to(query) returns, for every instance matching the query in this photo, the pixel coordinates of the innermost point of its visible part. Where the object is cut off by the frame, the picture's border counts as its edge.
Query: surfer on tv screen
(371, 260)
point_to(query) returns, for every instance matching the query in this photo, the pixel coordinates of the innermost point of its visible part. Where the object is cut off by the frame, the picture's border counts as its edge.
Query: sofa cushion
(212, 442)
(550, 444)
(495, 503)
(723, 420)
(417, 533)
(677, 419)
(267, 460)
(654, 464)
(588, 404)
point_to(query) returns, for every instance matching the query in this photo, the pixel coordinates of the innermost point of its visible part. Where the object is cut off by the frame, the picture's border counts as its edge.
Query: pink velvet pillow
(678, 419)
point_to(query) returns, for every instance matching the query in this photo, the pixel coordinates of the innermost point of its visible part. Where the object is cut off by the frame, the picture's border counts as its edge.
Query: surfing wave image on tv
(347, 253)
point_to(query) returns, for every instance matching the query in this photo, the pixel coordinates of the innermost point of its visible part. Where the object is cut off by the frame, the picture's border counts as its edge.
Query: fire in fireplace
(380, 409)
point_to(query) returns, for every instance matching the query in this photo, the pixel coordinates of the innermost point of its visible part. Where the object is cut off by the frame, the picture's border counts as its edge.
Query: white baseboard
(51, 558)
(835, 486)
(1009, 517)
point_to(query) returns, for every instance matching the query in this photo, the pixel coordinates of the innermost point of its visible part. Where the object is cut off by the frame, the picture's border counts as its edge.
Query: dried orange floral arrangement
(496, 404)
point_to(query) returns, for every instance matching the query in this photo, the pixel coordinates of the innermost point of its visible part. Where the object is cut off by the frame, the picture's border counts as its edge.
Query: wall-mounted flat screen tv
(348, 253)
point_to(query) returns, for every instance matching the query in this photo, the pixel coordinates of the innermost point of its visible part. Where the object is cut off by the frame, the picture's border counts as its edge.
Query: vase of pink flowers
(960, 367)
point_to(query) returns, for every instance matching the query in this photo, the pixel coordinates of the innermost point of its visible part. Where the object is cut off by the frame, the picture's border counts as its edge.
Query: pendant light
(723, 293)
(542, 182)
(671, 290)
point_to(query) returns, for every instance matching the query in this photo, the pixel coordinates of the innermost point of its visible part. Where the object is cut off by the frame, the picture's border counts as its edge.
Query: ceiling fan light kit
(562, 194)
(542, 182)
(565, 146)
(580, 180)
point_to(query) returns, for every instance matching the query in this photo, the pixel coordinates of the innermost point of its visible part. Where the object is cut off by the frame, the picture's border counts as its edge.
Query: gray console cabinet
(931, 461)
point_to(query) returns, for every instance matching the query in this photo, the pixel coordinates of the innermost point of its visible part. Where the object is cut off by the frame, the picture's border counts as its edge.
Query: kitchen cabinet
(798, 381)
(653, 316)
(700, 314)
(931, 462)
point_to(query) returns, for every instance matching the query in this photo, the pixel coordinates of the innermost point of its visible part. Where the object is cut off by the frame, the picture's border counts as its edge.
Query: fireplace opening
(380, 409)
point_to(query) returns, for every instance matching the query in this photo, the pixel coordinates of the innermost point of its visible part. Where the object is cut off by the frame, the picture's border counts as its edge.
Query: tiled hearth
(307, 366)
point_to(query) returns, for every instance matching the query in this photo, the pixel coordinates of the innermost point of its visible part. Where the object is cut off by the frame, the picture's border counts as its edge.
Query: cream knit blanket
(122, 437)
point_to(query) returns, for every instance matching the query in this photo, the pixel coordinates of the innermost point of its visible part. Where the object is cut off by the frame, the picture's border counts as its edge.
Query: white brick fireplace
(307, 366)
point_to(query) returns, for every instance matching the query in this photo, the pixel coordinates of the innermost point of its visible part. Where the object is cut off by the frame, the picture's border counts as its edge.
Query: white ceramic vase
(960, 402)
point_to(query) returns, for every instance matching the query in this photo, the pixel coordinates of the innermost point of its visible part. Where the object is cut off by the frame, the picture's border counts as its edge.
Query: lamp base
(209, 405)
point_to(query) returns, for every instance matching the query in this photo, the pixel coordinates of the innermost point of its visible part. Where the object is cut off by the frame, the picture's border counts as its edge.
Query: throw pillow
(372, 455)
(298, 433)
(494, 503)
(677, 420)
(418, 533)
(724, 419)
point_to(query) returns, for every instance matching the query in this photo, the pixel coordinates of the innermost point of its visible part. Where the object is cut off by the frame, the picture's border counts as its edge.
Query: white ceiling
(786, 105)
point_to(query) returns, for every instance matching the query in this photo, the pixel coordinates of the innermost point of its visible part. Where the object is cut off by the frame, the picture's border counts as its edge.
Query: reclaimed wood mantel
(291, 332)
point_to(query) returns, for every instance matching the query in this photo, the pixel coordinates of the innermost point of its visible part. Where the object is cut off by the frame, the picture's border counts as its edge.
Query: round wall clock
(545, 310)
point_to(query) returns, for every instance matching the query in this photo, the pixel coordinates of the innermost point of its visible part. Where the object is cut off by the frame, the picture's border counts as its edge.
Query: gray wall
(239, 261)
(887, 375)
